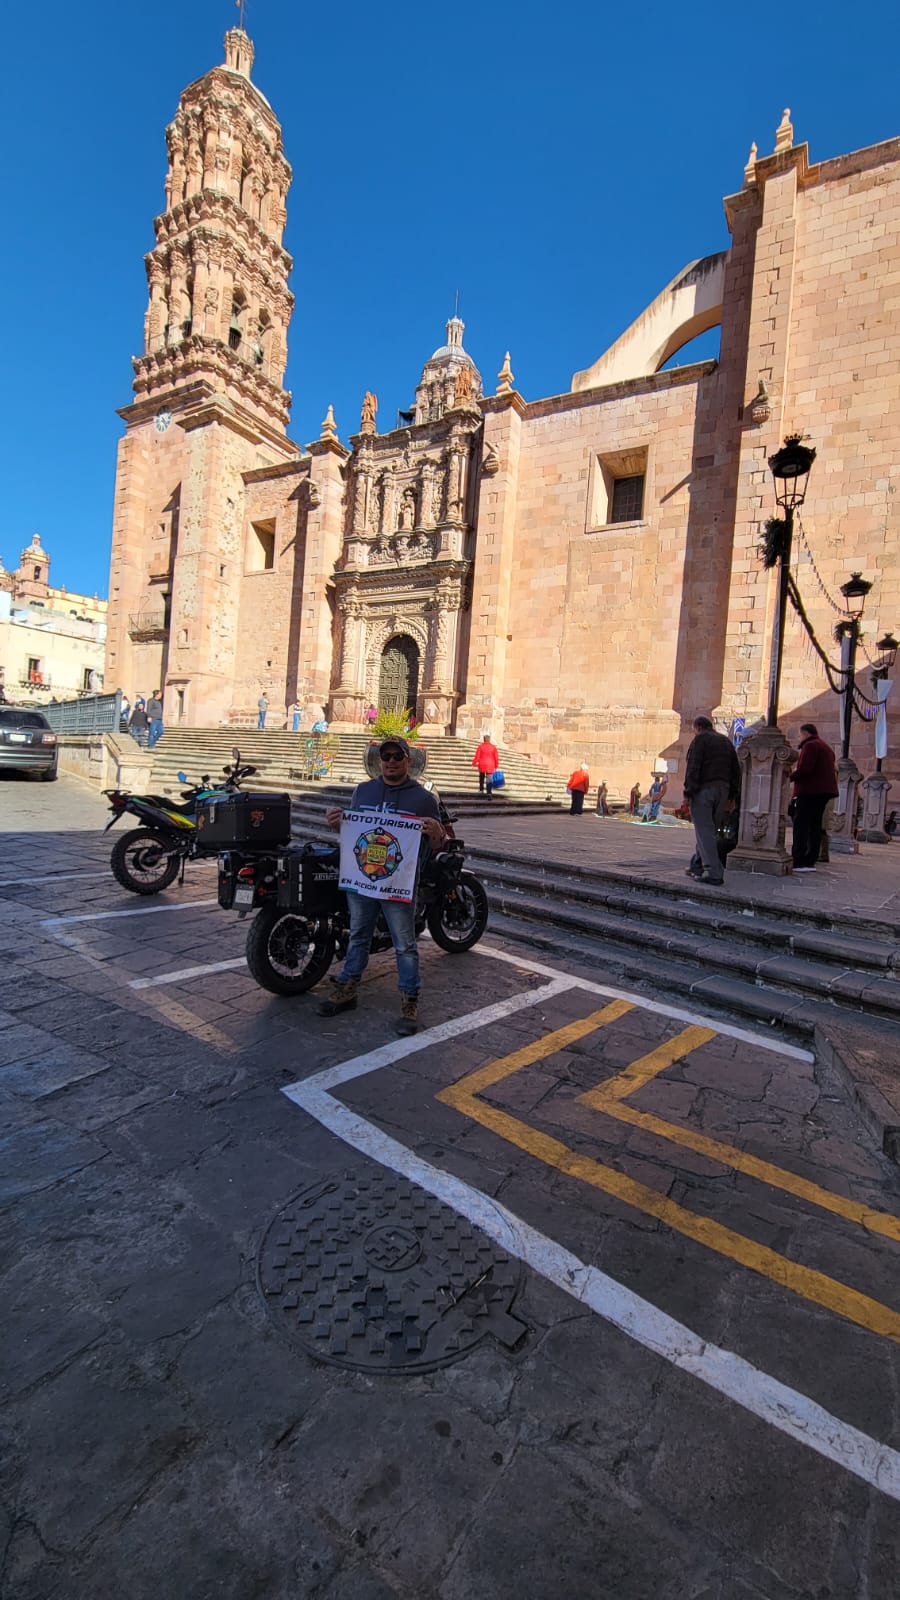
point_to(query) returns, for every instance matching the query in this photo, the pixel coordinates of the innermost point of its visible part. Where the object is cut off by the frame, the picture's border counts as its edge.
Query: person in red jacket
(487, 760)
(815, 783)
(578, 786)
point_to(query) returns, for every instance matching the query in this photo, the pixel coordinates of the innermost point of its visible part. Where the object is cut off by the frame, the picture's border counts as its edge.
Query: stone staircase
(281, 757)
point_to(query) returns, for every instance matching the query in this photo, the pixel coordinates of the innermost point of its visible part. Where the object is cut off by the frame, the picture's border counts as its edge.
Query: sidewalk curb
(870, 1067)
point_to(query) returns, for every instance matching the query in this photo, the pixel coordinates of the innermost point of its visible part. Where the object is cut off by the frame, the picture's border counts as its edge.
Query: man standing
(712, 779)
(815, 783)
(262, 706)
(395, 790)
(155, 718)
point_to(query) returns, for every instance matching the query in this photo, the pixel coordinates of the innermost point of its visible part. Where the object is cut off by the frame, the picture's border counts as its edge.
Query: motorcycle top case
(244, 821)
(308, 880)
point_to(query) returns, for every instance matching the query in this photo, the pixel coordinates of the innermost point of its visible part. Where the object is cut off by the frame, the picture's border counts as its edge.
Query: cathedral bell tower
(210, 405)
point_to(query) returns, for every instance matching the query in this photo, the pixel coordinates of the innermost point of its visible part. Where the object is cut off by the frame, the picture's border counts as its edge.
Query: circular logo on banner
(378, 854)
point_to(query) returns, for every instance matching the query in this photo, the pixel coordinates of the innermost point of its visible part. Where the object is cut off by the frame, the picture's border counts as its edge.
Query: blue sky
(556, 165)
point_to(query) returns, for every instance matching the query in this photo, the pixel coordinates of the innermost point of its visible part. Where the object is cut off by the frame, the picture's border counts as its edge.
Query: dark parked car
(27, 742)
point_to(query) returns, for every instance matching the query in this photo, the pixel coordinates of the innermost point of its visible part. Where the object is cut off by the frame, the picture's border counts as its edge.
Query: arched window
(236, 325)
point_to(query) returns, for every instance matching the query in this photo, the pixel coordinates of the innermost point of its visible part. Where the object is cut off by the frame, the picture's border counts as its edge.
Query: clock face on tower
(162, 420)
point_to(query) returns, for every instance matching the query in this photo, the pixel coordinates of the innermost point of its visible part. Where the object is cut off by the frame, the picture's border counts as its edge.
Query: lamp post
(854, 591)
(888, 646)
(790, 468)
(766, 758)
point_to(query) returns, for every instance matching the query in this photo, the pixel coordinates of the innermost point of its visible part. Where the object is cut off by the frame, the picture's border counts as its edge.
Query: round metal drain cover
(373, 1273)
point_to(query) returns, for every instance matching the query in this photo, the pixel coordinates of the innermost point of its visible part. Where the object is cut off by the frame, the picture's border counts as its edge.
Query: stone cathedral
(578, 574)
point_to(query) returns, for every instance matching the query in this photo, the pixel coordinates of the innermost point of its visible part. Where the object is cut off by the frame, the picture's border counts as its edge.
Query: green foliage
(773, 544)
(393, 722)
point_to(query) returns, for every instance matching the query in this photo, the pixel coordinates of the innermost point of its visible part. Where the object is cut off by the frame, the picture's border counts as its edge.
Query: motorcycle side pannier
(244, 821)
(308, 880)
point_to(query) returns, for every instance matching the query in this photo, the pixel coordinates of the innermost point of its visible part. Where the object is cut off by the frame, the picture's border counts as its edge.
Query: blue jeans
(295, 726)
(156, 732)
(262, 720)
(401, 921)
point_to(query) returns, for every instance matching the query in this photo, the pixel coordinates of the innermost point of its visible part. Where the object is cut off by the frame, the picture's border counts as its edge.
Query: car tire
(50, 776)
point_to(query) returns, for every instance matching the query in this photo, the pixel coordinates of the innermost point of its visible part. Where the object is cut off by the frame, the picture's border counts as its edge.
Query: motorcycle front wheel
(141, 862)
(286, 953)
(458, 919)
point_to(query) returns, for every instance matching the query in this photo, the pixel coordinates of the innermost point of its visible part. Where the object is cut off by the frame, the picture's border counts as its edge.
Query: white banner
(882, 690)
(380, 853)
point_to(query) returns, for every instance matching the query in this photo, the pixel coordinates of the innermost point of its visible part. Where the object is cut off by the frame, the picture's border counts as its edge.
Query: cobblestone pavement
(623, 1284)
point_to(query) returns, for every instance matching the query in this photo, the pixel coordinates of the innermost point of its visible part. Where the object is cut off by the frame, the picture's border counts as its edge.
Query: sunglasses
(393, 755)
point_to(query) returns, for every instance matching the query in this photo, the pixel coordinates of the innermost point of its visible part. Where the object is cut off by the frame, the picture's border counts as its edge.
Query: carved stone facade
(486, 559)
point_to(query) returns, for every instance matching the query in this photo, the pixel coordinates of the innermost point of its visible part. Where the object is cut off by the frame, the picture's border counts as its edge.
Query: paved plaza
(575, 1292)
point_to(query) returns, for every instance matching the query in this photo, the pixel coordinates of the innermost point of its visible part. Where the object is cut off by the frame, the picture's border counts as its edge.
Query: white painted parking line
(185, 973)
(760, 1041)
(57, 877)
(786, 1409)
(138, 911)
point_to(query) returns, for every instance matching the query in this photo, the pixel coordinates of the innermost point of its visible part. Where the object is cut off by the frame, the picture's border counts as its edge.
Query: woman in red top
(815, 783)
(487, 760)
(578, 786)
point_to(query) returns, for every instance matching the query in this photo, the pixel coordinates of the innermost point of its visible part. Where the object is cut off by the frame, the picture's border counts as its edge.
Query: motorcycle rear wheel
(458, 919)
(286, 953)
(141, 862)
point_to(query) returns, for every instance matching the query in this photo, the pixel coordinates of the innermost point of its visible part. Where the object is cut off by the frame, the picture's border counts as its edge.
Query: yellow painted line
(804, 1281)
(607, 1098)
(181, 1017)
(646, 1067)
(547, 1045)
(776, 1177)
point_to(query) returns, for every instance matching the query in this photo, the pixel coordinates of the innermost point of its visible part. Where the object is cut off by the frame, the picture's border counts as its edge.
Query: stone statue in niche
(408, 510)
(462, 393)
(369, 408)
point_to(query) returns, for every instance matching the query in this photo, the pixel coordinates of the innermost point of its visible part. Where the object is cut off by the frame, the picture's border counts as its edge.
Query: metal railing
(91, 713)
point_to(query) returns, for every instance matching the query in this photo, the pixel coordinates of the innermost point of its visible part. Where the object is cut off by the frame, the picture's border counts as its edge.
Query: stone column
(875, 791)
(766, 760)
(842, 838)
(347, 700)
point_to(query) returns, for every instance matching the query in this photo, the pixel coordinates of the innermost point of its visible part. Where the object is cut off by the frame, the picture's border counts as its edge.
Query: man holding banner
(391, 824)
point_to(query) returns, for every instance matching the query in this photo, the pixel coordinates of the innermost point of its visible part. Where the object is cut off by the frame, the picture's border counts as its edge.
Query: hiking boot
(409, 1014)
(341, 996)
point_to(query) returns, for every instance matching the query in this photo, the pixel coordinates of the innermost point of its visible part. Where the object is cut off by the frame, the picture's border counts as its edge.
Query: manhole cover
(373, 1273)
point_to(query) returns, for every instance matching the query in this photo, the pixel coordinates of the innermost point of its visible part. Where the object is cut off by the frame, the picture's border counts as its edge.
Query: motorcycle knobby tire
(440, 917)
(287, 954)
(142, 839)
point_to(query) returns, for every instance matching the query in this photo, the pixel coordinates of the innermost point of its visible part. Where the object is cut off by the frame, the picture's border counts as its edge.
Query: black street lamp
(854, 591)
(790, 467)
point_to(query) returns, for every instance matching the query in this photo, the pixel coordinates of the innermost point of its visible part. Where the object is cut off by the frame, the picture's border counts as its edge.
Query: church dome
(453, 349)
(441, 388)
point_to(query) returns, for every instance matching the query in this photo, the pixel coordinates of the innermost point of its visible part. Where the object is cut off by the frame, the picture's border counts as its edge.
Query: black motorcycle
(303, 919)
(149, 858)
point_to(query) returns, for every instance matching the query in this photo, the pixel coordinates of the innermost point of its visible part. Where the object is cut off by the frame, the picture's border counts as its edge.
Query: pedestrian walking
(139, 722)
(371, 716)
(296, 714)
(602, 800)
(394, 791)
(155, 718)
(124, 713)
(712, 783)
(262, 706)
(634, 800)
(577, 787)
(815, 783)
(487, 760)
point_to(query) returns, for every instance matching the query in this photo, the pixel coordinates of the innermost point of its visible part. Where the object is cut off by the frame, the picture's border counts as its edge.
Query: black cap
(393, 742)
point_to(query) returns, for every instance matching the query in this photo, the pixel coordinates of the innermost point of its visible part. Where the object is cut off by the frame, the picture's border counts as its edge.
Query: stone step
(684, 916)
(844, 986)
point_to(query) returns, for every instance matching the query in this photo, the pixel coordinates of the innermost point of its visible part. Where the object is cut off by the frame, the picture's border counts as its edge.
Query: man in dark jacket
(395, 790)
(712, 779)
(815, 783)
